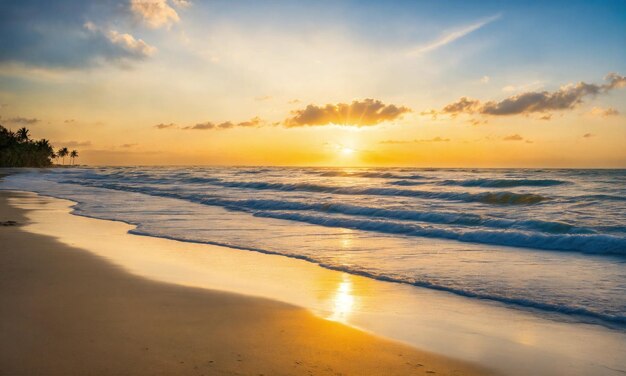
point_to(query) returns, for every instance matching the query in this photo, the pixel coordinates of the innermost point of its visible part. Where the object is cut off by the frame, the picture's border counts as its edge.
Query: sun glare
(347, 151)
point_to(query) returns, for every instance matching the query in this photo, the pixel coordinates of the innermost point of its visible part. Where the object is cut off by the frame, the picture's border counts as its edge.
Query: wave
(368, 174)
(253, 172)
(466, 227)
(406, 183)
(584, 243)
(551, 227)
(396, 214)
(609, 318)
(602, 198)
(494, 198)
(504, 183)
(449, 218)
(520, 302)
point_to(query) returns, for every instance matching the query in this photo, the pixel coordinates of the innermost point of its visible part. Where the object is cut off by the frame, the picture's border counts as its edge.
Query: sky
(323, 83)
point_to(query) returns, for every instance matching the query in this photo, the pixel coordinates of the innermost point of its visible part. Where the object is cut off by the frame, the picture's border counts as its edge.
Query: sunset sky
(338, 83)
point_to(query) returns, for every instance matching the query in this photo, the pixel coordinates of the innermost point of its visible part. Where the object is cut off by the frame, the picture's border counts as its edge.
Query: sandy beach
(66, 311)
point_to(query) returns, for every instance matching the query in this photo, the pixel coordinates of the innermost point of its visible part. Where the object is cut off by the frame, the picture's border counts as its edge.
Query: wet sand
(66, 311)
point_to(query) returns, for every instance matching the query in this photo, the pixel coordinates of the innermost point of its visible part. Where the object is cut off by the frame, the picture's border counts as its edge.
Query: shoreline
(489, 334)
(67, 311)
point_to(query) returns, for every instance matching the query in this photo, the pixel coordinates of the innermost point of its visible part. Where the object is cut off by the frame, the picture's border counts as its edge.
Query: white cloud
(155, 13)
(450, 37)
(134, 46)
(182, 3)
(535, 85)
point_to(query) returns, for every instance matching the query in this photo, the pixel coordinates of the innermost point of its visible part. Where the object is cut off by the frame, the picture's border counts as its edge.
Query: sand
(65, 311)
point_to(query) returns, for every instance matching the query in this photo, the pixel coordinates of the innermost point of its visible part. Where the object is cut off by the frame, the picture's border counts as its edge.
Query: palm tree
(73, 154)
(63, 152)
(44, 151)
(17, 149)
(22, 134)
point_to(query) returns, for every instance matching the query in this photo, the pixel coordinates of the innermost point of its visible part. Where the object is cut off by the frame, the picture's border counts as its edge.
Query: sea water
(551, 241)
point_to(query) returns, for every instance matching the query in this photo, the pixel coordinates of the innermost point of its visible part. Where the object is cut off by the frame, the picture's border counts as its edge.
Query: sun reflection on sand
(343, 301)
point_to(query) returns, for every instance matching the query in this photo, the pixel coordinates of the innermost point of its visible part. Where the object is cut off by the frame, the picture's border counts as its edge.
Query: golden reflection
(346, 238)
(343, 301)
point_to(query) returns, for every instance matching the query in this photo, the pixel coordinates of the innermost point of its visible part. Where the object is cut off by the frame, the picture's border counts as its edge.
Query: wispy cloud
(396, 142)
(19, 120)
(513, 137)
(254, 122)
(135, 47)
(165, 126)
(603, 112)
(452, 36)
(71, 144)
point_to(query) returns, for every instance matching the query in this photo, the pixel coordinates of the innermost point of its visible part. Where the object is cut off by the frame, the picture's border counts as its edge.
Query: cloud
(589, 135)
(565, 98)
(263, 98)
(54, 34)
(435, 139)
(254, 122)
(182, 3)
(156, 13)
(603, 112)
(615, 81)
(18, 120)
(524, 87)
(485, 79)
(68, 121)
(202, 126)
(395, 142)
(514, 137)
(135, 47)
(474, 121)
(71, 144)
(452, 36)
(165, 126)
(128, 145)
(358, 113)
(294, 101)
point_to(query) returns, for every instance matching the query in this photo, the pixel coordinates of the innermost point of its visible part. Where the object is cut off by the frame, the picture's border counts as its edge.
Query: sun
(347, 151)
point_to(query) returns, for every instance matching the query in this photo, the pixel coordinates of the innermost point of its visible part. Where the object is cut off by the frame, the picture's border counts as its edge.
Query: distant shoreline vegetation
(17, 149)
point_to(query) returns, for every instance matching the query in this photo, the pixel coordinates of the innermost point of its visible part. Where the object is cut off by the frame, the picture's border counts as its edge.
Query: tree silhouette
(18, 150)
(73, 154)
(63, 152)
(22, 134)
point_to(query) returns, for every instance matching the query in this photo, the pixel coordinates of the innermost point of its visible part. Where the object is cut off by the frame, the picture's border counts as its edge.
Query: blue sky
(132, 64)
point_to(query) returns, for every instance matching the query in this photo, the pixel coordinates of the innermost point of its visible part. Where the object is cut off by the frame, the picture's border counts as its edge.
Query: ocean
(550, 241)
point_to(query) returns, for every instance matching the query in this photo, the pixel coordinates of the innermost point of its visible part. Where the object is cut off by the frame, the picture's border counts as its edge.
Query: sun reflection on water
(343, 301)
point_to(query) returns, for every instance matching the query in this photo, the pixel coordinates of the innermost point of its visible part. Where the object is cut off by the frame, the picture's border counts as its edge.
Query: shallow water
(548, 240)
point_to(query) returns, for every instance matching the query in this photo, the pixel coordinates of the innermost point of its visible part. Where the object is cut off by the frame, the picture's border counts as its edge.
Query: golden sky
(337, 84)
